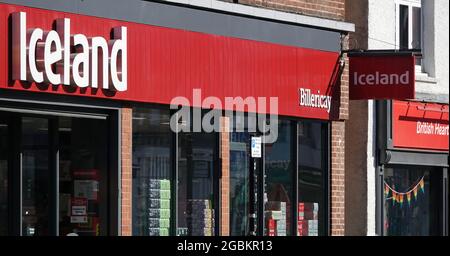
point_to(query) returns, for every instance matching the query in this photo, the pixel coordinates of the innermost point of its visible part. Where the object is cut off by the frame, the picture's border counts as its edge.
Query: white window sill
(424, 78)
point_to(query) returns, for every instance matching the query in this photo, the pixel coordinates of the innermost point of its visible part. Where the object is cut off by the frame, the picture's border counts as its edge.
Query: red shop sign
(420, 125)
(382, 77)
(154, 64)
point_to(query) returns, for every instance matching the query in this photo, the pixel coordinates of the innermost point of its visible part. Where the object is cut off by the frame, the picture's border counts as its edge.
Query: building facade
(398, 150)
(114, 117)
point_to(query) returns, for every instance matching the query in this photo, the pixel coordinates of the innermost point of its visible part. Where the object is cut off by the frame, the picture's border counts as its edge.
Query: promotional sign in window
(256, 147)
(78, 210)
(382, 77)
(420, 125)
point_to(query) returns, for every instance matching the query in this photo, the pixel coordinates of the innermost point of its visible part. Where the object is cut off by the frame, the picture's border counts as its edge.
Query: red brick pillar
(337, 178)
(126, 171)
(225, 179)
(338, 159)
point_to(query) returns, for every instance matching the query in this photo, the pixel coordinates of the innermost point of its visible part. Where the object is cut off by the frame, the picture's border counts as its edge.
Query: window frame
(410, 4)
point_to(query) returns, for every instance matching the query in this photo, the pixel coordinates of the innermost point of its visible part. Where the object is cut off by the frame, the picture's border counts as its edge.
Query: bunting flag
(399, 197)
(394, 197)
(422, 186)
(386, 190)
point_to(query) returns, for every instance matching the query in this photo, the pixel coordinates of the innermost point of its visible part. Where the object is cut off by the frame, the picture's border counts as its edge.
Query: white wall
(381, 24)
(432, 85)
(442, 43)
(381, 35)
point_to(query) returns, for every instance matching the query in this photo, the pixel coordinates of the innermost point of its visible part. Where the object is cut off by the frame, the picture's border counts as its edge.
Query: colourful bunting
(399, 197)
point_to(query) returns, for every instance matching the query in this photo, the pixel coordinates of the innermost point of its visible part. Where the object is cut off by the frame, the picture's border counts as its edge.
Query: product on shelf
(158, 223)
(275, 215)
(200, 217)
(276, 211)
(308, 219)
(271, 227)
(159, 213)
(158, 204)
(158, 231)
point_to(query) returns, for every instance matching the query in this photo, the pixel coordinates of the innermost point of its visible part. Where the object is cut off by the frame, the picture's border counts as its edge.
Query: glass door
(4, 175)
(82, 177)
(55, 174)
(35, 176)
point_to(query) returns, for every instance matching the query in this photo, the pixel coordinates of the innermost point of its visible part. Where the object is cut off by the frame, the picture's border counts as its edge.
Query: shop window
(279, 185)
(154, 190)
(4, 149)
(82, 176)
(239, 178)
(197, 173)
(152, 168)
(413, 204)
(312, 178)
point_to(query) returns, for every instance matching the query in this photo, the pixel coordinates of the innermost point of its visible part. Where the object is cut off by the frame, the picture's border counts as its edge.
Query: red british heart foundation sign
(420, 125)
(382, 76)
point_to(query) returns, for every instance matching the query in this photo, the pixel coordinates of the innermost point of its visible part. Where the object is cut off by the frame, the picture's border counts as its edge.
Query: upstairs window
(409, 26)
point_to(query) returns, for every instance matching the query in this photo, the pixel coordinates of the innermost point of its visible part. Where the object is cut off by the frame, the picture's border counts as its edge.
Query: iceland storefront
(166, 120)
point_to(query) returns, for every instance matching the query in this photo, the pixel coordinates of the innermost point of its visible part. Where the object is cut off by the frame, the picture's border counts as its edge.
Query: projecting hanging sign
(381, 76)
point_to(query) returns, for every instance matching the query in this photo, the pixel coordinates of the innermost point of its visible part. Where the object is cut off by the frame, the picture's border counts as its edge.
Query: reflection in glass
(151, 172)
(35, 177)
(279, 182)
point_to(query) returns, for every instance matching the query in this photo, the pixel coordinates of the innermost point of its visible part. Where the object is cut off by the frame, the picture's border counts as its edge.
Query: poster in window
(86, 188)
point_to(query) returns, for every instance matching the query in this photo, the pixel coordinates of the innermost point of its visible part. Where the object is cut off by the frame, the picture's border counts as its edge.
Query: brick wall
(337, 190)
(330, 9)
(126, 172)
(344, 97)
(225, 179)
(337, 178)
